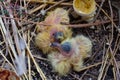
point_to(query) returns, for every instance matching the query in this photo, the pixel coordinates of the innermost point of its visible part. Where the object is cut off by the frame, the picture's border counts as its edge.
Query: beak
(60, 38)
(54, 44)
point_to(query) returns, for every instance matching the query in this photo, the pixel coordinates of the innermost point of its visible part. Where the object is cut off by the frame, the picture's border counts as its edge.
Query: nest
(18, 20)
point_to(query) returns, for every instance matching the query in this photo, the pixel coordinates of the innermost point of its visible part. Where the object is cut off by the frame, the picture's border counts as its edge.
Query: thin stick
(52, 2)
(108, 17)
(14, 28)
(7, 60)
(8, 39)
(37, 67)
(54, 5)
(48, 2)
(90, 66)
(36, 9)
(89, 24)
(69, 25)
(99, 9)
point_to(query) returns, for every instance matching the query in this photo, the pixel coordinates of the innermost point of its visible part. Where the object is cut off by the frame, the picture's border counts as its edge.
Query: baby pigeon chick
(54, 33)
(73, 50)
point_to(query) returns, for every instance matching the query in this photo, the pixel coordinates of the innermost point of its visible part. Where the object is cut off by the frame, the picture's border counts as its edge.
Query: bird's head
(57, 32)
(65, 48)
(58, 36)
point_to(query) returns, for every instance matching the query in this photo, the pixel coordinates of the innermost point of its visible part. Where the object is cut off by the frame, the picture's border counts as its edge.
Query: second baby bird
(71, 54)
(54, 31)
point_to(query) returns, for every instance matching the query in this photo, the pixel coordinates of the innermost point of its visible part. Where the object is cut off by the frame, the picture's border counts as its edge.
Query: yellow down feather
(59, 63)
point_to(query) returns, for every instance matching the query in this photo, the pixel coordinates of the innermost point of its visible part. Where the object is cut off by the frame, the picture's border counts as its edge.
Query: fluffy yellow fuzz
(81, 47)
(43, 41)
(60, 63)
(85, 45)
(57, 16)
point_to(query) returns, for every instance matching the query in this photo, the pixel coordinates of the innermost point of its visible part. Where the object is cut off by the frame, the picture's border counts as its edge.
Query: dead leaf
(8, 75)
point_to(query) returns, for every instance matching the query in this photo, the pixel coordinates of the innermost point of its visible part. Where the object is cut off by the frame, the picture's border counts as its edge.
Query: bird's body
(42, 41)
(57, 16)
(80, 48)
(84, 44)
(59, 62)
